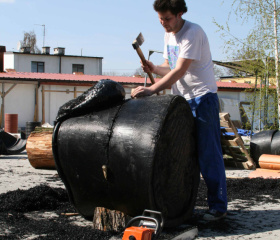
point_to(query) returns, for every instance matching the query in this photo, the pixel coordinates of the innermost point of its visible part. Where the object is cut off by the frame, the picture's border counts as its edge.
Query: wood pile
(235, 153)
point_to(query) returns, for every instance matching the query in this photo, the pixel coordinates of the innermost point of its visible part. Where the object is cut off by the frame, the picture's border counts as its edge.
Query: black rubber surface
(275, 144)
(148, 148)
(10, 145)
(261, 144)
(17, 148)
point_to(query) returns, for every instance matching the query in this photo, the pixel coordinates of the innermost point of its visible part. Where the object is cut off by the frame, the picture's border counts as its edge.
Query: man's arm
(162, 69)
(170, 78)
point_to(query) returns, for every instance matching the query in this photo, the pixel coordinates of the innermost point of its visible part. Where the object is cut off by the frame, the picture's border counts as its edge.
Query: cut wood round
(109, 220)
(39, 149)
(269, 161)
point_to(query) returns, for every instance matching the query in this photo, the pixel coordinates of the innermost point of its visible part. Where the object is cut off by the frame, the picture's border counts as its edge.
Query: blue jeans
(205, 110)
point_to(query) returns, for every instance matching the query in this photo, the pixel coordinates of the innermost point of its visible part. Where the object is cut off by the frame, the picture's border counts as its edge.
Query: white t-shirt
(191, 42)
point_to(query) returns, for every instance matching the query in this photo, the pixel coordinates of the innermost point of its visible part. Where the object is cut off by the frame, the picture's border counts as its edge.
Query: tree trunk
(109, 220)
(276, 59)
(39, 149)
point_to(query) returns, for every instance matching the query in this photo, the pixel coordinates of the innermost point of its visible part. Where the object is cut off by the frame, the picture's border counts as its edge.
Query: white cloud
(7, 1)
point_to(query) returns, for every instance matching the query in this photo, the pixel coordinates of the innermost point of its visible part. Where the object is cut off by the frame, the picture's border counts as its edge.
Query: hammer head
(138, 41)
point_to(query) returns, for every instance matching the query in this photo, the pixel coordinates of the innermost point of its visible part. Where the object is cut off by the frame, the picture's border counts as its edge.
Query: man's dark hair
(174, 6)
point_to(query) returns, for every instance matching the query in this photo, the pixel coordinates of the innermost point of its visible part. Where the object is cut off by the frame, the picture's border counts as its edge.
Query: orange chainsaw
(149, 227)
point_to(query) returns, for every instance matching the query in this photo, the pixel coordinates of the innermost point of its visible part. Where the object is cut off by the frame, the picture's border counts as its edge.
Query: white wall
(54, 100)
(9, 61)
(22, 63)
(21, 101)
(230, 102)
(91, 66)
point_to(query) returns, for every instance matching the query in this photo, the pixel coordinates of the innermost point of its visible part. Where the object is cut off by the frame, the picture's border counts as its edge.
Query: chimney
(46, 50)
(59, 51)
(25, 49)
(2, 51)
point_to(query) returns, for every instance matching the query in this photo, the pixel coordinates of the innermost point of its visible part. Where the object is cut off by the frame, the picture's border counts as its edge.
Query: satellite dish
(18, 45)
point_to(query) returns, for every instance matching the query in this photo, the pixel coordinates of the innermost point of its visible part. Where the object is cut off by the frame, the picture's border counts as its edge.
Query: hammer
(136, 45)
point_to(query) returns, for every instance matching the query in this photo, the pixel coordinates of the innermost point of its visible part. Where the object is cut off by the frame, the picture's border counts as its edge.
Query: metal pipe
(59, 64)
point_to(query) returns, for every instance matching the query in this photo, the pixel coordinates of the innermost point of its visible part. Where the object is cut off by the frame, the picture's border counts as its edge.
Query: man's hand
(141, 92)
(148, 66)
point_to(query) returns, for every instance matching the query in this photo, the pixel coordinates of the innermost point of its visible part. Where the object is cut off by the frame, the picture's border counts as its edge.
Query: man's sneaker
(213, 215)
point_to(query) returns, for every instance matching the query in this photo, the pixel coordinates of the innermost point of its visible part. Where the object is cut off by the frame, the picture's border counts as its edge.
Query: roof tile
(59, 77)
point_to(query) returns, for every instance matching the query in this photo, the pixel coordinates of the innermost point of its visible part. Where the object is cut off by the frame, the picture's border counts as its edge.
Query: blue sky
(106, 28)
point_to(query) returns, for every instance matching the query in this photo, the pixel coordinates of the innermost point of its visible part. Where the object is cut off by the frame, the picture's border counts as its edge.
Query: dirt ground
(33, 204)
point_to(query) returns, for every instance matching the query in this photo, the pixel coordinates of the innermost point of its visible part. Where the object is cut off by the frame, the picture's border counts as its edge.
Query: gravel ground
(34, 203)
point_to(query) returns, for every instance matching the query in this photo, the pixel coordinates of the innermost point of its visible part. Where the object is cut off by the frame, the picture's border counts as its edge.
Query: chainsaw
(150, 225)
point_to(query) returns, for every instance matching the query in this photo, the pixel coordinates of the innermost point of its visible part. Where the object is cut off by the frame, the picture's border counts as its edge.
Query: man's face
(170, 22)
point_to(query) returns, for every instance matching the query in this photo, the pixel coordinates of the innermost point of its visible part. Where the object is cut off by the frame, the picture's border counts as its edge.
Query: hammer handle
(141, 55)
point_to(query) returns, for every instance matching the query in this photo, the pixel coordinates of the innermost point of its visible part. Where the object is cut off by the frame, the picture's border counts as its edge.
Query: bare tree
(29, 40)
(139, 72)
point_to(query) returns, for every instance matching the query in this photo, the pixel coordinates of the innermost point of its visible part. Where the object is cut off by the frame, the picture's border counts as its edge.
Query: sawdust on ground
(253, 218)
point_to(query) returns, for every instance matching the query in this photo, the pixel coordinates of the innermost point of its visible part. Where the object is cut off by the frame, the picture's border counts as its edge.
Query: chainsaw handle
(146, 211)
(139, 218)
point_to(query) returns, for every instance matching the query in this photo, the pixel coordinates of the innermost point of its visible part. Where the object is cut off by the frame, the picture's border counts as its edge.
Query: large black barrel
(130, 157)
(275, 144)
(30, 127)
(261, 144)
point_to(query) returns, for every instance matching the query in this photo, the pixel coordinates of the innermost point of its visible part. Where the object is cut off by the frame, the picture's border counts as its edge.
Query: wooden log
(39, 149)
(109, 220)
(269, 161)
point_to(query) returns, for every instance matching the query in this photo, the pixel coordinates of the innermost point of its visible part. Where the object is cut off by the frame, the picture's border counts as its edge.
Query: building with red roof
(37, 96)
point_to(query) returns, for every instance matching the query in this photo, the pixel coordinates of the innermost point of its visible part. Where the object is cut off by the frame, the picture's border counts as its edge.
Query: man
(188, 70)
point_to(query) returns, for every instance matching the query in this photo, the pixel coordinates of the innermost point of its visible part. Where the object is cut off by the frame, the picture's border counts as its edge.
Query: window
(37, 67)
(78, 68)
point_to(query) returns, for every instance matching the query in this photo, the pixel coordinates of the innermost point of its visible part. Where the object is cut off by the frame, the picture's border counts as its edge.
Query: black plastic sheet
(105, 93)
(10, 145)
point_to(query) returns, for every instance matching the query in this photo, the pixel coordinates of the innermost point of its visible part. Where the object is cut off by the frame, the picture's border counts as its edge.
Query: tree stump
(39, 149)
(109, 220)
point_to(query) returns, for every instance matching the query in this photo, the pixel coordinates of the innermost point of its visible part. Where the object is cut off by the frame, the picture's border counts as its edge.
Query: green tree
(262, 41)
